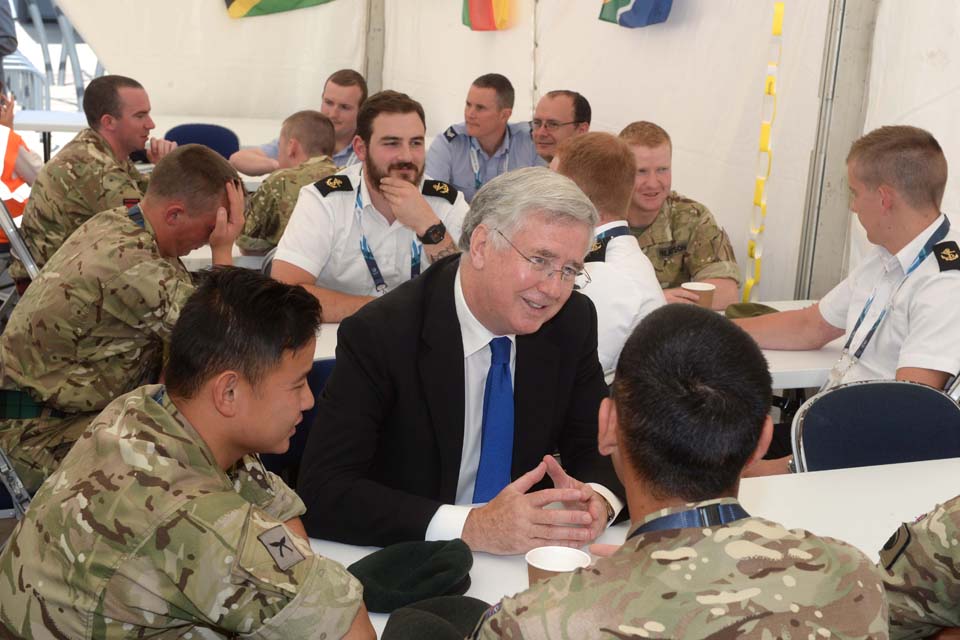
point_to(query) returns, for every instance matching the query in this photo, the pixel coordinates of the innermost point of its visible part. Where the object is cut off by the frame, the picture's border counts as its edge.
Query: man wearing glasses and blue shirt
(452, 393)
(559, 115)
(484, 145)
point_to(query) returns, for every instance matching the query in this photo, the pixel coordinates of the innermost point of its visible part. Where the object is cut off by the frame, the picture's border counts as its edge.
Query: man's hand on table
(516, 521)
(594, 504)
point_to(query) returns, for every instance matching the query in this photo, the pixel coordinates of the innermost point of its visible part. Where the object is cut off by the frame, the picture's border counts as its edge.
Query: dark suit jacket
(384, 452)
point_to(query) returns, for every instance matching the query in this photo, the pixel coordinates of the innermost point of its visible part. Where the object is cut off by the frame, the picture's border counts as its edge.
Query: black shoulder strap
(330, 184)
(440, 189)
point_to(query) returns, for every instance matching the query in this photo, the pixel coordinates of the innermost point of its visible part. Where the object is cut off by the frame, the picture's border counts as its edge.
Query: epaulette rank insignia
(328, 185)
(440, 189)
(450, 134)
(948, 255)
(894, 546)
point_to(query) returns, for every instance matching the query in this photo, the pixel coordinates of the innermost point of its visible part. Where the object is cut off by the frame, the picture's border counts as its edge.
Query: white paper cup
(704, 290)
(546, 562)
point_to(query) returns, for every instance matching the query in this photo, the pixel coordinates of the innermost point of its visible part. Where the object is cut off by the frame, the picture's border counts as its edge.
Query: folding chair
(220, 139)
(873, 423)
(16, 242)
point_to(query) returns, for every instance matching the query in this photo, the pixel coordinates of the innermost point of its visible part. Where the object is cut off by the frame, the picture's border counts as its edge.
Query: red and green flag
(635, 13)
(249, 8)
(486, 15)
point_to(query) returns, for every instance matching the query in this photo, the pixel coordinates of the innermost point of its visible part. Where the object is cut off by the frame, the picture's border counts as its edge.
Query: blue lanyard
(937, 236)
(415, 249)
(475, 159)
(711, 515)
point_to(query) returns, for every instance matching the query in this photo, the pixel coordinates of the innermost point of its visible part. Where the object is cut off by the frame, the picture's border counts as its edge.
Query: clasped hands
(516, 521)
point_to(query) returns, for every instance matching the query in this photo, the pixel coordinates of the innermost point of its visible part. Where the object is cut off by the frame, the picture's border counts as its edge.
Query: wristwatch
(434, 234)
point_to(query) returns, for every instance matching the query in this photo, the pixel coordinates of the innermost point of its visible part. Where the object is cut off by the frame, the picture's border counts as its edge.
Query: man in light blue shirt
(470, 154)
(343, 93)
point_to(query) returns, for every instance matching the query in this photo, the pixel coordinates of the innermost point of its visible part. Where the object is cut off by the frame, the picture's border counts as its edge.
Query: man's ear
(582, 127)
(607, 426)
(359, 148)
(107, 122)
(479, 241)
(766, 435)
(173, 212)
(888, 195)
(226, 390)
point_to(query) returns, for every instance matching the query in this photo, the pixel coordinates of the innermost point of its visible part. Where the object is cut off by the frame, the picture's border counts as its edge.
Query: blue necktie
(496, 447)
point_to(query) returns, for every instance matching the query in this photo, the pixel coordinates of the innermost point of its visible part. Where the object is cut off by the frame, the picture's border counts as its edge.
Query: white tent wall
(195, 59)
(915, 80)
(700, 75)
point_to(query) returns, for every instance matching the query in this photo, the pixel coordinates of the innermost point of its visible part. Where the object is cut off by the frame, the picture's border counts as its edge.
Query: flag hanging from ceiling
(486, 15)
(249, 8)
(635, 13)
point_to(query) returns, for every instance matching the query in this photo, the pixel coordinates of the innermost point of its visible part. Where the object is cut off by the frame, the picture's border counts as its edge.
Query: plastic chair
(873, 423)
(220, 139)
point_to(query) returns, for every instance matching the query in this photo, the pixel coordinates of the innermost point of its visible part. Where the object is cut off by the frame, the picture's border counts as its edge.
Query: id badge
(839, 370)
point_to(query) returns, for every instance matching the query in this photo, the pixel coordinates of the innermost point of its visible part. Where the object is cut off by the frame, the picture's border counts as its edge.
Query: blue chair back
(220, 139)
(287, 465)
(876, 422)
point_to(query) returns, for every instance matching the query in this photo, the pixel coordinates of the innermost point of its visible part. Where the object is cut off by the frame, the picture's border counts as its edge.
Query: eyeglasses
(549, 125)
(542, 267)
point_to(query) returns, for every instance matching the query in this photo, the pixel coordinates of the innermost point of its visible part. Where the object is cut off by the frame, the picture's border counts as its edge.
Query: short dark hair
(501, 85)
(102, 97)
(349, 78)
(692, 392)
(909, 159)
(385, 102)
(192, 172)
(241, 320)
(581, 108)
(312, 130)
(603, 167)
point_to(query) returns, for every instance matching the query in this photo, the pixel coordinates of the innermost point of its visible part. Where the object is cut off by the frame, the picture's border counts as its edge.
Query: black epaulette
(948, 255)
(450, 134)
(440, 189)
(333, 183)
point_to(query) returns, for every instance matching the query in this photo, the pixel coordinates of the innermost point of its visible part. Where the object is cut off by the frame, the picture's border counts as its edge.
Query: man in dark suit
(451, 393)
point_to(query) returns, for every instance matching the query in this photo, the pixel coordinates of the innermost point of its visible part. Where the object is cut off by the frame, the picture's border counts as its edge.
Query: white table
(47, 122)
(202, 258)
(860, 506)
(326, 348)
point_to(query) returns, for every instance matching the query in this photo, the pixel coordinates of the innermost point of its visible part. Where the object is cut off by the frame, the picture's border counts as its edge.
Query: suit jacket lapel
(441, 373)
(533, 395)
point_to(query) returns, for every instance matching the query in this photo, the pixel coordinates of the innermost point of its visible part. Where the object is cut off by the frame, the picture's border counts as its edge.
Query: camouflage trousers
(36, 446)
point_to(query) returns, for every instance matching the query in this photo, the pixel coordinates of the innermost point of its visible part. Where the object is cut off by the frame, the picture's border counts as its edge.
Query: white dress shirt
(448, 521)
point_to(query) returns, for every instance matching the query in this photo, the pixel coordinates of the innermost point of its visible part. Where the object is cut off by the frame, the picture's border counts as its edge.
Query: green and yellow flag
(248, 8)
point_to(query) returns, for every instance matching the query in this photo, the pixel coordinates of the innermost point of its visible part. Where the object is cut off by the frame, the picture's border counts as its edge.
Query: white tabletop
(861, 506)
(31, 120)
(202, 258)
(326, 348)
(789, 369)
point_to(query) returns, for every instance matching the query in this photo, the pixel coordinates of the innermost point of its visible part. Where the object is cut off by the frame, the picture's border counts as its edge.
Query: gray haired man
(451, 392)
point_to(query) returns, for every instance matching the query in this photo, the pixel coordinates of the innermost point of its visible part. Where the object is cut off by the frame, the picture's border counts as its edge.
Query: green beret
(747, 310)
(452, 617)
(409, 572)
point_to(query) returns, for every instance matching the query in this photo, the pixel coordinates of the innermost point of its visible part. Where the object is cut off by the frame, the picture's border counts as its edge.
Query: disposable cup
(546, 562)
(704, 290)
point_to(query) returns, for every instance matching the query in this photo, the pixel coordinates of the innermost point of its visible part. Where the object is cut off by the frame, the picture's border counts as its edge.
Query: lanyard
(136, 214)
(415, 249)
(711, 515)
(475, 160)
(937, 236)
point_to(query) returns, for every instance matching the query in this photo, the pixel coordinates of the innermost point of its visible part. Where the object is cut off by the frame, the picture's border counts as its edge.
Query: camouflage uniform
(751, 578)
(685, 243)
(90, 328)
(84, 178)
(140, 533)
(269, 209)
(923, 573)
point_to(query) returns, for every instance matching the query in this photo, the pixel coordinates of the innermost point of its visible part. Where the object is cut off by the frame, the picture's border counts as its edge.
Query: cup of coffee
(546, 562)
(704, 290)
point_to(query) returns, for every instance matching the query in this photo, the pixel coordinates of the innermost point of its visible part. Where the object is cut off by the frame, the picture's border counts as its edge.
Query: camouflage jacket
(90, 328)
(748, 579)
(84, 178)
(269, 209)
(923, 573)
(685, 243)
(140, 533)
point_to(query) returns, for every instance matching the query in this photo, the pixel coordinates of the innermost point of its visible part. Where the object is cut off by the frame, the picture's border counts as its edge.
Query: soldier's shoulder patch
(450, 133)
(278, 544)
(894, 546)
(328, 185)
(948, 255)
(440, 189)
(130, 202)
